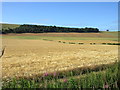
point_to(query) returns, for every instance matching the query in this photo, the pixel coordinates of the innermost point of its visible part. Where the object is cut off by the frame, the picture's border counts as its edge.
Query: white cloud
(36, 24)
(3, 22)
(33, 23)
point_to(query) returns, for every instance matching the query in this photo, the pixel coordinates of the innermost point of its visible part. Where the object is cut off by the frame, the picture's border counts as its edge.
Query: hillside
(9, 26)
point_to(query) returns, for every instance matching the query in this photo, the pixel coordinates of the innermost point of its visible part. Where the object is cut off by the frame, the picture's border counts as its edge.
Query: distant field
(59, 38)
(65, 36)
(104, 37)
(102, 34)
(110, 33)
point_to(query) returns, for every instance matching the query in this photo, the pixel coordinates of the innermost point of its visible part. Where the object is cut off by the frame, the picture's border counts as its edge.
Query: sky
(60, 0)
(101, 15)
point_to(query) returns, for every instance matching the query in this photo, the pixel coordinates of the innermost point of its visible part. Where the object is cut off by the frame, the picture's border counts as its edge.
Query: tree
(25, 28)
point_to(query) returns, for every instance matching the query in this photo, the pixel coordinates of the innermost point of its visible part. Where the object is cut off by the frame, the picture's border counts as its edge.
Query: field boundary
(81, 43)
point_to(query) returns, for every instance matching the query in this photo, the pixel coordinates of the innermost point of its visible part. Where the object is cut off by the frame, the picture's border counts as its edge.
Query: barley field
(25, 57)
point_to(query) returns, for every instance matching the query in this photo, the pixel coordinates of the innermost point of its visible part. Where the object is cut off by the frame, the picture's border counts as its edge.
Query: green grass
(11, 26)
(58, 38)
(114, 33)
(105, 76)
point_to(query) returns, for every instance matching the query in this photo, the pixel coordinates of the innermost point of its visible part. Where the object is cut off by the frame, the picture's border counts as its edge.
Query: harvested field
(96, 35)
(89, 41)
(33, 57)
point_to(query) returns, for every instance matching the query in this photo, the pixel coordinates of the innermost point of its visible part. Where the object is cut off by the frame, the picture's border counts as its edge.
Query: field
(29, 55)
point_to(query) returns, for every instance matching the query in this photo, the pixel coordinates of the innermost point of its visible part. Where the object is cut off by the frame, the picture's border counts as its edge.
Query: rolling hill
(9, 26)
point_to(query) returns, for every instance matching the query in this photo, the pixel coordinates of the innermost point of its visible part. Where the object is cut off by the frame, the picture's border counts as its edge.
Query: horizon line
(58, 26)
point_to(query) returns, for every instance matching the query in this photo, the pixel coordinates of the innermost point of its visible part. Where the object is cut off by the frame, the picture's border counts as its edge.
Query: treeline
(44, 29)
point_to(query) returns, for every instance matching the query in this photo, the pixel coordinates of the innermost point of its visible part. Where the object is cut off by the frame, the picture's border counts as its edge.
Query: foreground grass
(105, 76)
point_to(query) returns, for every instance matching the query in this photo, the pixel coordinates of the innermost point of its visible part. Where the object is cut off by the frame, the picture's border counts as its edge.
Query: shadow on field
(69, 73)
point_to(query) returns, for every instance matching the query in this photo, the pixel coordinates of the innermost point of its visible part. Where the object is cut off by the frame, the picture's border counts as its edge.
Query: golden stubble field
(89, 41)
(33, 57)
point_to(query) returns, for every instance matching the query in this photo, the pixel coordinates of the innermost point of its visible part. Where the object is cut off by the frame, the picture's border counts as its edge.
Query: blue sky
(102, 15)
